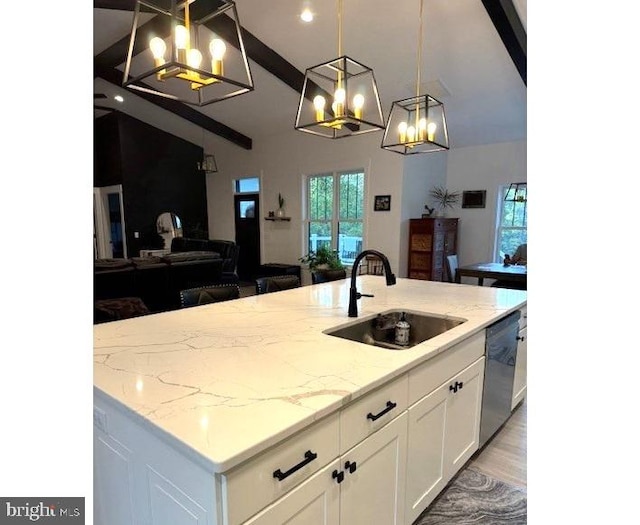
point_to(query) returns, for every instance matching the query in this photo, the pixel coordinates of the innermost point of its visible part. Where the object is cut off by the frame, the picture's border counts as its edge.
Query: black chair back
(208, 294)
(276, 283)
(325, 276)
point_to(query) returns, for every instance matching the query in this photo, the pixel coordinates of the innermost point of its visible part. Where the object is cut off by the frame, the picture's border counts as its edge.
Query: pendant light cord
(419, 51)
(339, 2)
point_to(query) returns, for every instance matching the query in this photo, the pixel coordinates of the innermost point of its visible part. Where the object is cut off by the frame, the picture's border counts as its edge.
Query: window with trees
(335, 212)
(512, 223)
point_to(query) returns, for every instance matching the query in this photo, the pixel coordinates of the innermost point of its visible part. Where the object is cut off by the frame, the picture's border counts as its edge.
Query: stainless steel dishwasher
(500, 361)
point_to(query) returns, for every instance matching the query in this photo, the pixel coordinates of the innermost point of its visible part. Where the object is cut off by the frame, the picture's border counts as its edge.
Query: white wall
(483, 168)
(281, 161)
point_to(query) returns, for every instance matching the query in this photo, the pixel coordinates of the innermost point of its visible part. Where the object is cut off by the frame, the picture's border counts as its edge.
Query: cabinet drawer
(523, 317)
(253, 485)
(364, 416)
(430, 375)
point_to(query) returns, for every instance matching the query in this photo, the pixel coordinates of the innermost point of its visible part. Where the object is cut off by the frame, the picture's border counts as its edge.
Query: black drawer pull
(390, 406)
(308, 458)
(350, 466)
(456, 386)
(338, 476)
(518, 338)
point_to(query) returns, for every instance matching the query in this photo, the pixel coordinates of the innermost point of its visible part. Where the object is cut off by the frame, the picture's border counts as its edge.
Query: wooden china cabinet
(430, 241)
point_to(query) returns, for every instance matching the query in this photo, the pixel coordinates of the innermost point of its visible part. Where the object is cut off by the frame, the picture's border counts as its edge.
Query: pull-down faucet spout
(354, 295)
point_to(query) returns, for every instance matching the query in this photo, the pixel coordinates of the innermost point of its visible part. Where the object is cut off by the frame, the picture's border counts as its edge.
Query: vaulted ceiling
(474, 60)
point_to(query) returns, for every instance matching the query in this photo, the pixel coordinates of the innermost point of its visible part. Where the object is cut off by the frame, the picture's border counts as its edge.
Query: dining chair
(325, 276)
(214, 293)
(452, 267)
(276, 283)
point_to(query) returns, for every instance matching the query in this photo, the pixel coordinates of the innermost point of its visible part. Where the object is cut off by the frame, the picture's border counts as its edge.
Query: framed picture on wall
(474, 199)
(382, 203)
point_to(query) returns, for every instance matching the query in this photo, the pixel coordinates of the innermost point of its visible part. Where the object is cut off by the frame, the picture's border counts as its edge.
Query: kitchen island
(189, 404)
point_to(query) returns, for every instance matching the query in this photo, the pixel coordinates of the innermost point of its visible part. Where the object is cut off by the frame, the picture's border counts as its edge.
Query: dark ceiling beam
(185, 111)
(507, 22)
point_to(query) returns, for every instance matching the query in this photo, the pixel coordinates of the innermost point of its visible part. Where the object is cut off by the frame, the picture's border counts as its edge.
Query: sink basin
(378, 330)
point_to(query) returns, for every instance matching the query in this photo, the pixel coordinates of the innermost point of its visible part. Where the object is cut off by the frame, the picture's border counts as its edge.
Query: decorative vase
(280, 212)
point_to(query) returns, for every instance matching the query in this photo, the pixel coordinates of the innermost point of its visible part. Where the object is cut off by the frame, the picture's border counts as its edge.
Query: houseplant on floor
(324, 258)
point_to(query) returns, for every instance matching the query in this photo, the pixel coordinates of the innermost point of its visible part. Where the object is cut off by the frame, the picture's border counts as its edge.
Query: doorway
(109, 231)
(247, 219)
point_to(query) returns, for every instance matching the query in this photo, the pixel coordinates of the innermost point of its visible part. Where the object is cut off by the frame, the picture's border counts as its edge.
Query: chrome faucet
(354, 295)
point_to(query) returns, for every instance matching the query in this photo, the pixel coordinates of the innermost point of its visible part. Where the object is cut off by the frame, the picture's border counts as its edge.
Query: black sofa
(157, 281)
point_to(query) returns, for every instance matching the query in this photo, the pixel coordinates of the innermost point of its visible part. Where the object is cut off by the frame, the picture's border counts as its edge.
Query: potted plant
(280, 210)
(324, 258)
(444, 198)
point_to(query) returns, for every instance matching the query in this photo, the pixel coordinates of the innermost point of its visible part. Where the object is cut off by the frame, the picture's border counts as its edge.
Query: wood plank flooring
(504, 457)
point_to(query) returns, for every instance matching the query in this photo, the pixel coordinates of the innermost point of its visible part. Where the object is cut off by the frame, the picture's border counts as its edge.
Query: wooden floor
(505, 456)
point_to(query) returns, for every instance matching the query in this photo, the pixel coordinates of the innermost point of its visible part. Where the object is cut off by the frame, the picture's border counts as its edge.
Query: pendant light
(181, 53)
(517, 192)
(339, 98)
(416, 124)
(208, 162)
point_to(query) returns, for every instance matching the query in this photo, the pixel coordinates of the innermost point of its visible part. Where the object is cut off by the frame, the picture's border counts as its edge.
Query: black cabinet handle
(390, 406)
(456, 386)
(338, 476)
(350, 466)
(518, 338)
(308, 458)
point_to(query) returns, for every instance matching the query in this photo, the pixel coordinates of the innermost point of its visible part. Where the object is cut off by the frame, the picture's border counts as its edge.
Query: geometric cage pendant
(339, 99)
(416, 125)
(192, 52)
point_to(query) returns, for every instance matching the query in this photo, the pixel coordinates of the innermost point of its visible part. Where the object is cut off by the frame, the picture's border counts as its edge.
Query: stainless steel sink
(378, 330)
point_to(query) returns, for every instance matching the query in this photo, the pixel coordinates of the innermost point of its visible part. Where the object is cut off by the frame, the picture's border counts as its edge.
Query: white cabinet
(364, 486)
(374, 477)
(315, 501)
(520, 373)
(444, 431)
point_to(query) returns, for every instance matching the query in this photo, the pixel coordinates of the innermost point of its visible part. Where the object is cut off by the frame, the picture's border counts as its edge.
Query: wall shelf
(277, 218)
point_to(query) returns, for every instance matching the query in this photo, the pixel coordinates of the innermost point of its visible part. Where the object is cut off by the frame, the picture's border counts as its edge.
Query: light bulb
(358, 103)
(217, 48)
(319, 103)
(182, 37)
(158, 48)
(402, 129)
(422, 129)
(431, 131)
(306, 15)
(411, 134)
(194, 58)
(338, 105)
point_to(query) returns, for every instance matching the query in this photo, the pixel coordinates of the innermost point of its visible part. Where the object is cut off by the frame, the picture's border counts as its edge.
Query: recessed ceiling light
(306, 15)
(119, 98)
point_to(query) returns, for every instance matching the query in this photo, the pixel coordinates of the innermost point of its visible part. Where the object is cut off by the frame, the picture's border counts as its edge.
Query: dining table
(492, 270)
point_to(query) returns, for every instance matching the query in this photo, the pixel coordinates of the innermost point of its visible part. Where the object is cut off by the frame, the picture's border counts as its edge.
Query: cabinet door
(462, 427)
(315, 501)
(374, 491)
(425, 451)
(520, 374)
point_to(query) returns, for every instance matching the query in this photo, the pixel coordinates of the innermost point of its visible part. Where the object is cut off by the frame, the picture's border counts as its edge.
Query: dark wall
(158, 173)
(107, 168)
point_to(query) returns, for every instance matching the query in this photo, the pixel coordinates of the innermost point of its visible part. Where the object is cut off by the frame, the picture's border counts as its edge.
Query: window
(512, 225)
(250, 185)
(335, 212)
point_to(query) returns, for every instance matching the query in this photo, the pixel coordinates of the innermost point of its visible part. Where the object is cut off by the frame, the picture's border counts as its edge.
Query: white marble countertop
(225, 381)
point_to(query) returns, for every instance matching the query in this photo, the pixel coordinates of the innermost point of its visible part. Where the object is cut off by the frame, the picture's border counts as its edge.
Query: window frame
(335, 220)
(498, 256)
